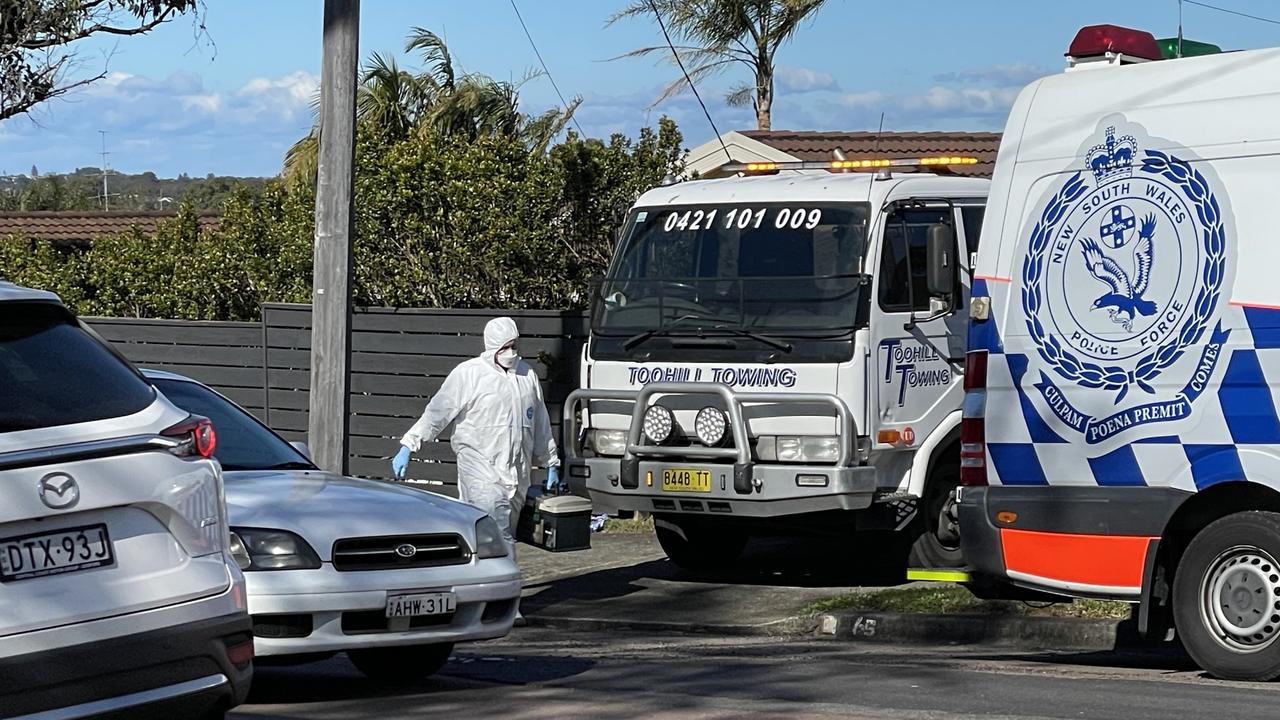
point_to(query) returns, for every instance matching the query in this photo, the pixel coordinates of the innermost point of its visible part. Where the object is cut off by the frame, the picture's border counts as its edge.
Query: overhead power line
(545, 69)
(654, 6)
(1232, 12)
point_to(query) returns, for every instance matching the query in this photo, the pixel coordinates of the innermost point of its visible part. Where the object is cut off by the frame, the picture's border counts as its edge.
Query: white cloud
(170, 125)
(210, 103)
(797, 80)
(299, 86)
(966, 99)
(286, 98)
(1011, 74)
(872, 99)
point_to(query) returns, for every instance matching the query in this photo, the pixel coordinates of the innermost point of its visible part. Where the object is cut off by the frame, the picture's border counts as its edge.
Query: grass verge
(953, 600)
(636, 525)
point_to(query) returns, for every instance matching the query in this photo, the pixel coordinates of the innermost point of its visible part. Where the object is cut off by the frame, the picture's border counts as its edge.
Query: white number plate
(441, 603)
(52, 553)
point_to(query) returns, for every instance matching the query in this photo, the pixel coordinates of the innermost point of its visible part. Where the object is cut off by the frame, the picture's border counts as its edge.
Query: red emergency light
(1096, 40)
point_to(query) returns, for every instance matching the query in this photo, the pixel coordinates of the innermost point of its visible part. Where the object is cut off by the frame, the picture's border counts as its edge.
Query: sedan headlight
(489, 540)
(609, 442)
(272, 550)
(239, 552)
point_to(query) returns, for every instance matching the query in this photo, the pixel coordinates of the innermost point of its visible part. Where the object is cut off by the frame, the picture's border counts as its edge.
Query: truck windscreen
(774, 268)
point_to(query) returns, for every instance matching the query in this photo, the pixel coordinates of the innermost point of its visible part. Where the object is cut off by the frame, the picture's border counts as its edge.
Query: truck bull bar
(740, 453)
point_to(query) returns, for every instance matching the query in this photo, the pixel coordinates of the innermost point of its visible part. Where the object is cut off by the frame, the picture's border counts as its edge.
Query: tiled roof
(815, 145)
(83, 227)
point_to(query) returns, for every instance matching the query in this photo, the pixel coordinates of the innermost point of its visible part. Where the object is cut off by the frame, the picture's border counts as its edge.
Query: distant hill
(82, 190)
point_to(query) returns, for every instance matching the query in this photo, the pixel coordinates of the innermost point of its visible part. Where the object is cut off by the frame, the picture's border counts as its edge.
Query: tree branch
(53, 40)
(25, 104)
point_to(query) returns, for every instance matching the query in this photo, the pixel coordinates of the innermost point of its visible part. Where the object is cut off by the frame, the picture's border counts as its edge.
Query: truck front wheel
(936, 535)
(694, 545)
(1226, 597)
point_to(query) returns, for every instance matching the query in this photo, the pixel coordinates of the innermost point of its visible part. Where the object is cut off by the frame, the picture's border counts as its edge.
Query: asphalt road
(543, 673)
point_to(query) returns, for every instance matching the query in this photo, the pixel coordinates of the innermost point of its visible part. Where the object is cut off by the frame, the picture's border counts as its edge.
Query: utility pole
(106, 198)
(331, 289)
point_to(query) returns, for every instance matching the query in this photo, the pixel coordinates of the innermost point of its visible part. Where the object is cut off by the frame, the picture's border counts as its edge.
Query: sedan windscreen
(243, 442)
(54, 373)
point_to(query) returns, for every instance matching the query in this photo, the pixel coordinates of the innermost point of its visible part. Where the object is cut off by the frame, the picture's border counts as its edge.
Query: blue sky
(173, 104)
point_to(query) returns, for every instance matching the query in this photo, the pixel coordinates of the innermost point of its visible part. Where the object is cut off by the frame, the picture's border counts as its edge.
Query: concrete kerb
(1024, 633)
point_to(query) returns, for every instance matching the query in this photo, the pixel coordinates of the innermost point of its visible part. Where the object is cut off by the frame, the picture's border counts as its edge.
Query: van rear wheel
(694, 545)
(1226, 597)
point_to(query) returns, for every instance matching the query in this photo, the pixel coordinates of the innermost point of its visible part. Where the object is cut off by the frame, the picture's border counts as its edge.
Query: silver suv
(118, 593)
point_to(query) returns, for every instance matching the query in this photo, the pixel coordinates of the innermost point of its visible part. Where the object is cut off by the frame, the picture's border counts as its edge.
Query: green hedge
(440, 222)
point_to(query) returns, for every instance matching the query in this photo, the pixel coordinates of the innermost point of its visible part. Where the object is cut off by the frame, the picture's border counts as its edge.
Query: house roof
(84, 227)
(781, 145)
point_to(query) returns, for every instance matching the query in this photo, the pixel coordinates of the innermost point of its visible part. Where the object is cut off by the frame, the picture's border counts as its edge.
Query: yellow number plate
(686, 480)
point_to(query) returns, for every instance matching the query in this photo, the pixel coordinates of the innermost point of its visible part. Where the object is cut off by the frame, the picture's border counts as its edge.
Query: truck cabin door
(918, 319)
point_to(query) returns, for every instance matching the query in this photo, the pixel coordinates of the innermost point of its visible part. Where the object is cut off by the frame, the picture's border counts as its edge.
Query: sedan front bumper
(324, 610)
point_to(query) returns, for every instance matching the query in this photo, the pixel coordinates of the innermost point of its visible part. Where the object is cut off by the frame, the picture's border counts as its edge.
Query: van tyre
(1226, 597)
(697, 546)
(935, 533)
(401, 665)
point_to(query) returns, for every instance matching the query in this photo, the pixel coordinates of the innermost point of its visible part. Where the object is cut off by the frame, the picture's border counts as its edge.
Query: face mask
(507, 358)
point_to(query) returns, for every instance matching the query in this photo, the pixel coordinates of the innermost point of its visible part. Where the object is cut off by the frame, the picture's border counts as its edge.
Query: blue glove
(400, 463)
(553, 478)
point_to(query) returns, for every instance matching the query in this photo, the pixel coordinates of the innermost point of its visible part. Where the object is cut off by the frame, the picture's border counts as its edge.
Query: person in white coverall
(501, 428)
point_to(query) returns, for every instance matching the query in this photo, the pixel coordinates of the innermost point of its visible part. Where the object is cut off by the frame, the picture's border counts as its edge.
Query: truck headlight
(489, 541)
(659, 424)
(272, 550)
(609, 442)
(711, 425)
(799, 448)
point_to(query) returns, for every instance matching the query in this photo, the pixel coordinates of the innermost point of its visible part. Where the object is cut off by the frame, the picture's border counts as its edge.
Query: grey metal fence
(400, 357)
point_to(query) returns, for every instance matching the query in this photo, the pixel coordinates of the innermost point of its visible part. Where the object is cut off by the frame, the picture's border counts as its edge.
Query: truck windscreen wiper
(665, 329)
(668, 327)
(772, 342)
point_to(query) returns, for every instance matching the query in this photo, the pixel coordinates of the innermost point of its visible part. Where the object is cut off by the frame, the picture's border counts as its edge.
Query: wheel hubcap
(1240, 599)
(947, 530)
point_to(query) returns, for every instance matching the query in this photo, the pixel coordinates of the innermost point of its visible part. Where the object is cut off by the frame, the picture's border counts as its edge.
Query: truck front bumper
(771, 490)
(740, 484)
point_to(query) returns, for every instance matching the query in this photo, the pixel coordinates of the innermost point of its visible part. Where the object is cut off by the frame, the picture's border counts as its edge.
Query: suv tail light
(197, 436)
(201, 502)
(973, 431)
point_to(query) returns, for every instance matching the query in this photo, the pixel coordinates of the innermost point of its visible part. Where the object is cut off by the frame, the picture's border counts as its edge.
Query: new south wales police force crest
(1122, 287)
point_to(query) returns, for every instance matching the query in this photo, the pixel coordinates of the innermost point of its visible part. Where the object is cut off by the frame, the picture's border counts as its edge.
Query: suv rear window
(54, 373)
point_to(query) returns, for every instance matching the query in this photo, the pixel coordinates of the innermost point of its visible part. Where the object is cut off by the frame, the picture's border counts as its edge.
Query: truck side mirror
(942, 261)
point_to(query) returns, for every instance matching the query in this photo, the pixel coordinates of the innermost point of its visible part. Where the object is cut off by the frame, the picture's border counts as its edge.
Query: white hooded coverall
(501, 428)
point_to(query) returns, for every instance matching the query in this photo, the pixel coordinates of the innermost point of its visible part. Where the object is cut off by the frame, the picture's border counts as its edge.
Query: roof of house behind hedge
(84, 227)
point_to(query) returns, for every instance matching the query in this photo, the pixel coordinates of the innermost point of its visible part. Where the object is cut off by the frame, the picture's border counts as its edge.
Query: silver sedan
(389, 574)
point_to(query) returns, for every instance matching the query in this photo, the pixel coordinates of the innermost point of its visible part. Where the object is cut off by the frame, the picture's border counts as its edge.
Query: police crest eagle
(1122, 285)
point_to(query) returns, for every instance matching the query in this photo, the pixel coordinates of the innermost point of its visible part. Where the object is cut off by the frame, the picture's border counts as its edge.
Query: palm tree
(716, 34)
(396, 103)
(389, 98)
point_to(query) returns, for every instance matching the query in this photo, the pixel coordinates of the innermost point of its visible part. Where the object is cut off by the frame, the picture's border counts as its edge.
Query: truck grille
(391, 552)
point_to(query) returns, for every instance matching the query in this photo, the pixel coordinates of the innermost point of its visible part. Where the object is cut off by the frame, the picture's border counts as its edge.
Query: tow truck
(781, 351)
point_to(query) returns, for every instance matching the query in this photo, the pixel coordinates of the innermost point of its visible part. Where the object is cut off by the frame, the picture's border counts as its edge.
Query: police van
(780, 351)
(1120, 436)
